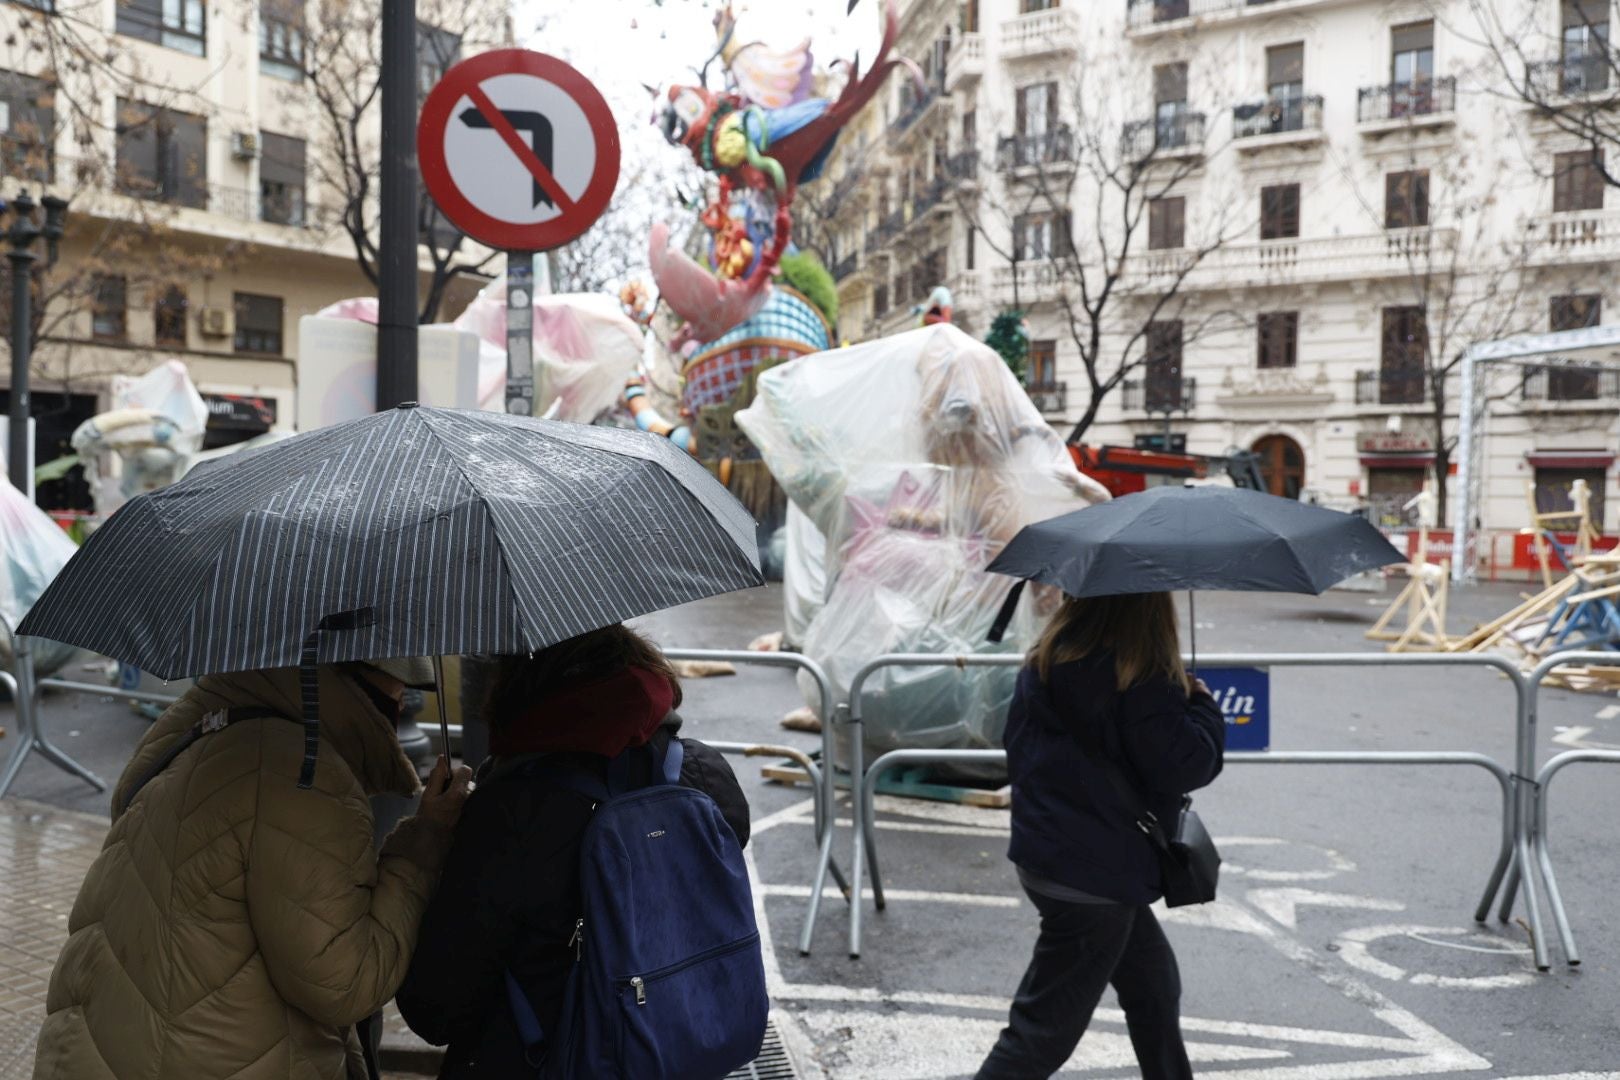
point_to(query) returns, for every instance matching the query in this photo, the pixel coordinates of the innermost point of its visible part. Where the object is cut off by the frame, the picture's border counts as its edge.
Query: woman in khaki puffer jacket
(237, 926)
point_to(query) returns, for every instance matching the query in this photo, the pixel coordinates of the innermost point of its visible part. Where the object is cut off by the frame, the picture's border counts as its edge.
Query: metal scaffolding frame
(1596, 346)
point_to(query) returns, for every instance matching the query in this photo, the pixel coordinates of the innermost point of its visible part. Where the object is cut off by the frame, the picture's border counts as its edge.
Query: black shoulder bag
(1188, 861)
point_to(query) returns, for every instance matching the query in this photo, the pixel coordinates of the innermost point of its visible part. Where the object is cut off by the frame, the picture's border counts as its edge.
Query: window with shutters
(281, 180)
(27, 128)
(1041, 372)
(1027, 6)
(1040, 236)
(970, 256)
(162, 155)
(258, 324)
(1574, 313)
(970, 129)
(1279, 211)
(1401, 362)
(1406, 199)
(1578, 181)
(109, 307)
(1411, 70)
(174, 24)
(1036, 109)
(1162, 389)
(1167, 223)
(281, 38)
(169, 317)
(1586, 63)
(970, 17)
(1170, 105)
(1279, 339)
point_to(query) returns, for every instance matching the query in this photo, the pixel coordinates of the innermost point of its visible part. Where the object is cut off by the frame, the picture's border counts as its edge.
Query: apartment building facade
(1327, 201)
(207, 206)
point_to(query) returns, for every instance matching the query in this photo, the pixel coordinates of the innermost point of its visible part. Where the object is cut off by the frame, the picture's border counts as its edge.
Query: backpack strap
(529, 1030)
(218, 720)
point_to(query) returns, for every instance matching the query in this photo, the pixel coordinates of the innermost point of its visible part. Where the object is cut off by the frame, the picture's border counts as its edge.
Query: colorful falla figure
(938, 309)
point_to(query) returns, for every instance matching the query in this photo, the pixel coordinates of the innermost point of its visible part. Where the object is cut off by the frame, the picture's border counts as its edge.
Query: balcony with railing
(1047, 149)
(1577, 236)
(887, 229)
(1577, 74)
(963, 167)
(1029, 281)
(847, 266)
(1393, 386)
(1417, 103)
(930, 196)
(1158, 394)
(1147, 17)
(847, 186)
(1049, 396)
(1282, 119)
(1053, 32)
(965, 64)
(1554, 386)
(1173, 135)
(917, 104)
(1390, 254)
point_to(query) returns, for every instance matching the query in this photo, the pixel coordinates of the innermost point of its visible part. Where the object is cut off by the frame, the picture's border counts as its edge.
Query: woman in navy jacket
(1104, 682)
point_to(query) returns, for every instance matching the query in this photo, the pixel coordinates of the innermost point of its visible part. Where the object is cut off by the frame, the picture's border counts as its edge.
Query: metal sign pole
(520, 383)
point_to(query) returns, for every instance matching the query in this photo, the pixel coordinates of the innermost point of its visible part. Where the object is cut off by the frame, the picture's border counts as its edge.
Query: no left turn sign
(518, 150)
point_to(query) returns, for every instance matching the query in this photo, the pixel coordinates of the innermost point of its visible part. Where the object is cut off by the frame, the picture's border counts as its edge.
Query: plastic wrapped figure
(917, 457)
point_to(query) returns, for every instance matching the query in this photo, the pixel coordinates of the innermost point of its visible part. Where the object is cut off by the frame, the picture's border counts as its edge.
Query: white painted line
(925, 827)
(966, 899)
(1336, 863)
(1608, 712)
(1281, 904)
(788, 815)
(1353, 950)
(949, 813)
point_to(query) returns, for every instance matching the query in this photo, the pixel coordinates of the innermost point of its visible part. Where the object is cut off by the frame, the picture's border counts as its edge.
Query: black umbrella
(1172, 538)
(413, 532)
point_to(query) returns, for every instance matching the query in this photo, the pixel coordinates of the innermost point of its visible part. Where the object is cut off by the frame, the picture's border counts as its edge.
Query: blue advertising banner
(1244, 695)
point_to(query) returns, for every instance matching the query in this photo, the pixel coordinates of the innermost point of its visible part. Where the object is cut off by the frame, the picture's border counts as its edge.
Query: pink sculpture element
(711, 306)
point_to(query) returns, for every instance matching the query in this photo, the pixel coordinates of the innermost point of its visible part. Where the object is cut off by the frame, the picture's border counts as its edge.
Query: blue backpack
(668, 981)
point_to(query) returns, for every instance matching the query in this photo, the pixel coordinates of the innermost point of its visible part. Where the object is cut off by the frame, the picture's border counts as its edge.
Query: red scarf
(603, 716)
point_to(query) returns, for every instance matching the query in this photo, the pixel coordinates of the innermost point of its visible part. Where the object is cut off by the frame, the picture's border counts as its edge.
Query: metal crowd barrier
(1513, 861)
(1538, 816)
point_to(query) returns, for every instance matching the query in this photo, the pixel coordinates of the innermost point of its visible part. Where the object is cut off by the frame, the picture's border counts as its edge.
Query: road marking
(1576, 736)
(1609, 712)
(1336, 863)
(1281, 904)
(967, 899)
(1353, 950)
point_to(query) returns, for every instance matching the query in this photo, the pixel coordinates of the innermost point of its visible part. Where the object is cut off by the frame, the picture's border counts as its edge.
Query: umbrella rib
(511, 578)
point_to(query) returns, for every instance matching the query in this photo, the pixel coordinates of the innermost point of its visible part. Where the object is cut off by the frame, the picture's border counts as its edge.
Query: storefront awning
(1570, 459)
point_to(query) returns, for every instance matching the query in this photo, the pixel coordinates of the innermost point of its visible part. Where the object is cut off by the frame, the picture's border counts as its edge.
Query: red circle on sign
(577, 214)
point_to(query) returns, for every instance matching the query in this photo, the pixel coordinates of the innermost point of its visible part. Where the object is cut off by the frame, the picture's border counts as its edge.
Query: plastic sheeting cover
(155, 425)
(36, 549)
(586, 344)
(917, 457)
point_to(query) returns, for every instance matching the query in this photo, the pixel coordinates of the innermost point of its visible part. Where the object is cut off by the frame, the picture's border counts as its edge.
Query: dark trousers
(1083, 948)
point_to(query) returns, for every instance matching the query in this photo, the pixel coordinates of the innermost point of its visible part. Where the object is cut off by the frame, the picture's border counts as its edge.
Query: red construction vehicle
(1124, 469)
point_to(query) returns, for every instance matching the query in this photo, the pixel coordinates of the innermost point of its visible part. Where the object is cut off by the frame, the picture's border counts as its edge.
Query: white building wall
(1489, 161)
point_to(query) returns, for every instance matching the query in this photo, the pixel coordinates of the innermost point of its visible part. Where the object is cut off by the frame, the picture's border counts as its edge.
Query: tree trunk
(1442, 482)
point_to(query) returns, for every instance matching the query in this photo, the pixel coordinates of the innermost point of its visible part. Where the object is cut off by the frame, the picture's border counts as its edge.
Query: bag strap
(1129, 793)
(528, 1024)
(218, 720)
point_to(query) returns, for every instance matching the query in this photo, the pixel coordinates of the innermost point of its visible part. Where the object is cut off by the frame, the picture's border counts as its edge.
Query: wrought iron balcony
(846, 266)
(1277, 116)
(1407, 100)
(1054, 147)
(889, 228)
(1552, 384)
(1178, 132)
(1157, 394)
(1393, 386)
(963, 167)
(929, 197)
(1582, 72)
(845, 187)
(1049, 396)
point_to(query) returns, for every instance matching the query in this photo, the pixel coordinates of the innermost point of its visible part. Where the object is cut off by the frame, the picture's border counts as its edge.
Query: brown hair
(1138, 628)
(517, 682)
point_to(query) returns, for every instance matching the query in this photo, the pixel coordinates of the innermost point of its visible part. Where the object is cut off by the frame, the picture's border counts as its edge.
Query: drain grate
(773, 1062)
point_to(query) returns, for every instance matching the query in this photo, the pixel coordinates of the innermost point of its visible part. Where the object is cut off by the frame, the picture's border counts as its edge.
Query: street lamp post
(21, 235)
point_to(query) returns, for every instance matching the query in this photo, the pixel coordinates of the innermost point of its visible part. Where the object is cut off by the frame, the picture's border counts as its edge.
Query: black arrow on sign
(539, 129)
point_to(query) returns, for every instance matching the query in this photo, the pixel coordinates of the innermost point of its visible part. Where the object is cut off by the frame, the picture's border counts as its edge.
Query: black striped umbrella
(414, 532)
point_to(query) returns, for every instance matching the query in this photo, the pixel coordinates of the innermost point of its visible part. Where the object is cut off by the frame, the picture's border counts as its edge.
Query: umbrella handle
(444, 715)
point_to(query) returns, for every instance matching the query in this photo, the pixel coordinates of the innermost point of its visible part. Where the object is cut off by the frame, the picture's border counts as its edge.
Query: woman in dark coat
(1105, 683)
(509, 894)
